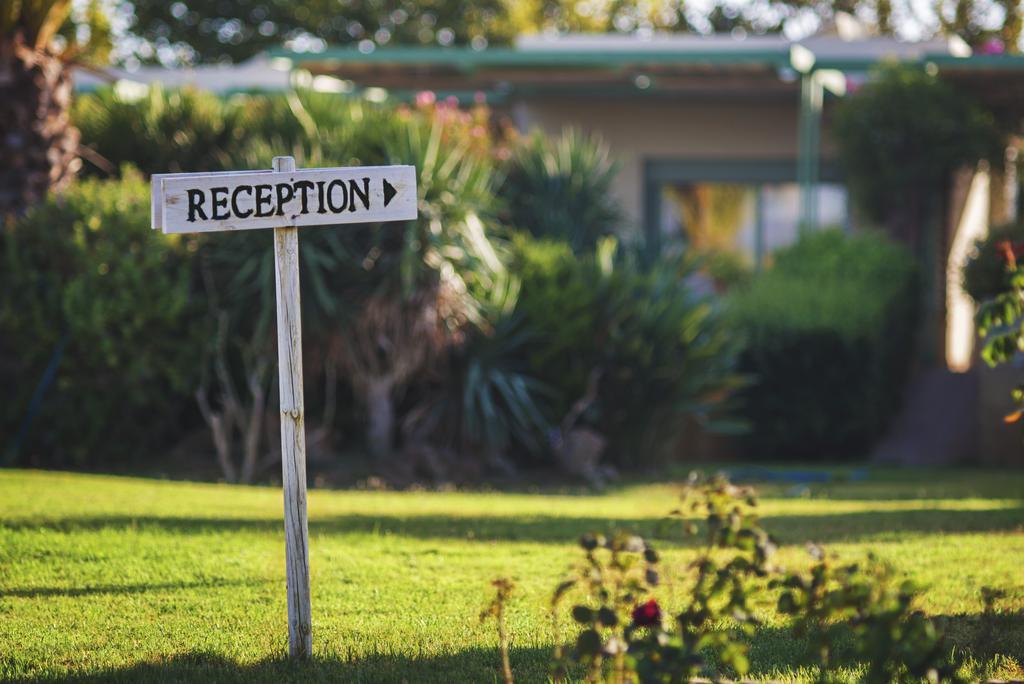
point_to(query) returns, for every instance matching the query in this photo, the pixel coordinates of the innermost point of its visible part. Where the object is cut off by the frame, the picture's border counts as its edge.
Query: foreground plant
(624, 633)
(869, 602)
(496, 609)
(1000, 318)
(617, 575)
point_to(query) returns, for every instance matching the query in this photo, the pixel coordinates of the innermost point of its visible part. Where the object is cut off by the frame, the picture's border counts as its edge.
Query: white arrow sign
(207, 202)
(284, 199)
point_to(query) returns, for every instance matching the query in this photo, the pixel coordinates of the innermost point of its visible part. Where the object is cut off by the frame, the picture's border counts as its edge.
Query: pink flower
(480, 97)
(425, 98)
(993, 46)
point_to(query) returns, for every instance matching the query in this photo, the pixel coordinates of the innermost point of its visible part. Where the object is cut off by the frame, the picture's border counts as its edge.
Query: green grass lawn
(131, 579)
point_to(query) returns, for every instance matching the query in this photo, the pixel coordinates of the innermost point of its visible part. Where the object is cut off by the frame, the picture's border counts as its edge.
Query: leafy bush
(383, 304)
(985, 274)
(903, 133)
(382, 301)
(87, 289)
(660, 354)
(561, 189)
(1000, 319)
(626, 631)
(164, 131)
(501, 403)
(725, 269)
(623, 635)
(828, 335)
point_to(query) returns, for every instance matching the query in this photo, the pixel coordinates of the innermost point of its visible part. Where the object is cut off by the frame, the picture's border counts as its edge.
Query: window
(749, 209)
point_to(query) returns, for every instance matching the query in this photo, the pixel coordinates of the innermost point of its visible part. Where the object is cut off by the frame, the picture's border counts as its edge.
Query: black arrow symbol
(389, 192)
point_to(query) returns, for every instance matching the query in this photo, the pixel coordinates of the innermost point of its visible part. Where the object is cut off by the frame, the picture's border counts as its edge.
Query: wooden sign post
(285, 199)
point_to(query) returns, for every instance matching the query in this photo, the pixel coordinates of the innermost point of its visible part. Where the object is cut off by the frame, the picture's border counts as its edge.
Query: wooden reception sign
(284, 199)
(207, 202)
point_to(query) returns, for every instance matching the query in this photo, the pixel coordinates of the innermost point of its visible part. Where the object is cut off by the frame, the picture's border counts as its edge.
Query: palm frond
(41, 20)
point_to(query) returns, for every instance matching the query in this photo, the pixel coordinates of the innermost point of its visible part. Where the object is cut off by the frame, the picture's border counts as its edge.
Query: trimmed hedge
(828, 335)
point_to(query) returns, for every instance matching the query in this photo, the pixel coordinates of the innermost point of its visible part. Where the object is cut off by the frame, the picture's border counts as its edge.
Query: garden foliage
(561, 188)
(828, 336)
(661, 355)
(628, 625)
(624, 633)
(901, 136)
(1000, 317)
(445, 333)
(99, 345)
(986, 273)
(183, 129)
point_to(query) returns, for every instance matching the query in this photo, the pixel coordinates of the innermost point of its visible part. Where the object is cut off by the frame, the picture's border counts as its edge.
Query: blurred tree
(976, 21)
(964, 19)
(883, 16)
(979, 23)
(215, 30)
(900, 137)
(1013, 23)
(37, 141)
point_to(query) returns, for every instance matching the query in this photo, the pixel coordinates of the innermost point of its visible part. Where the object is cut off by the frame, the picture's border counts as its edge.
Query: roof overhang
(701, 66)
(754, 67)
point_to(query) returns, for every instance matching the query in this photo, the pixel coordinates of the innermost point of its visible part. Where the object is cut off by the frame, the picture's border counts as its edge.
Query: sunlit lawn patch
(127, 579)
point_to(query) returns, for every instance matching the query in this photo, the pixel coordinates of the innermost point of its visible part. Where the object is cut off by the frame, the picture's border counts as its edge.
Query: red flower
(647, 614)
(1011, 252)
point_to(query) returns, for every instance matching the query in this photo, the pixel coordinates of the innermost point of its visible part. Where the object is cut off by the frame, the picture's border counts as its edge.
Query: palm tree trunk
(37, 141)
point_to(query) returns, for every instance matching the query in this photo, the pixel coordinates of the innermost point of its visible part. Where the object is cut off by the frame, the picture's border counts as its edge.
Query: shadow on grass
(842, 527)
(775, 653)
(115, 589)
(983, 641)
(471, 665)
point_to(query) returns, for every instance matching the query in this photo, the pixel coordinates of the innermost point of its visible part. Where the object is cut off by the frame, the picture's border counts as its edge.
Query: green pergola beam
(469, 59)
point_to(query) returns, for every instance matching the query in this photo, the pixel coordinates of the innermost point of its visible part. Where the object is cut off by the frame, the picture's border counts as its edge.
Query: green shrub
(385, 304)
(486, 405)
(903, 133)
(1000, 317)
(725, 269)
(636, 619)
(660, 354)
(190, 130)
(164, 131)
(985, 274)
(561, 189)
(828, 336)
(87, 286)
(381, 303)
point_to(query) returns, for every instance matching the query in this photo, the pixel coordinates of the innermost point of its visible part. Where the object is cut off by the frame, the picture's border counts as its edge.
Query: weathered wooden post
(284, 199)
(293, 431)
